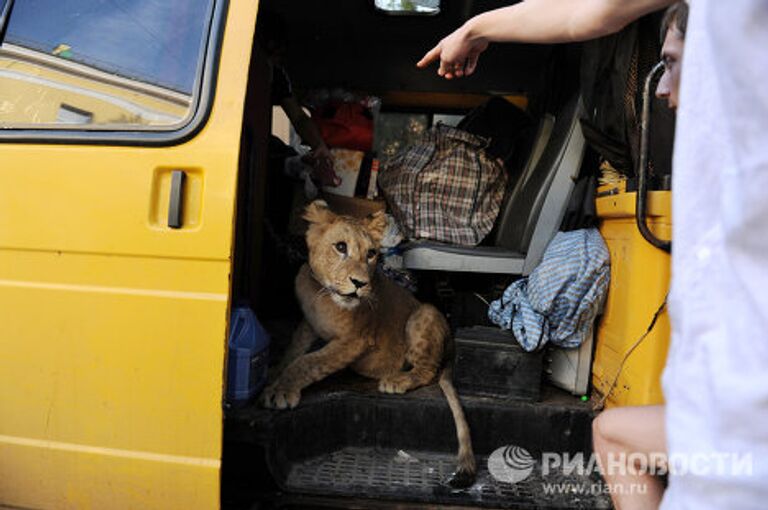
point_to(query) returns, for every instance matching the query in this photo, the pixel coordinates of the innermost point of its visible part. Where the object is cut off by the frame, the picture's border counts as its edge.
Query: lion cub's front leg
(286, 390)
(301, 341)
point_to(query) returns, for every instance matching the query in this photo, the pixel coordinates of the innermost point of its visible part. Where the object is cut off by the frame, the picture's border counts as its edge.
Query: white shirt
(716, 379)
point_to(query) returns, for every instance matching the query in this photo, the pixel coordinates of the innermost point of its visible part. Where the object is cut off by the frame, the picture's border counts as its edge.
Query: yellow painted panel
(113, 190)
(134, 367)
(114, 372)
(112, 325)
(65, 476)
(639, 282)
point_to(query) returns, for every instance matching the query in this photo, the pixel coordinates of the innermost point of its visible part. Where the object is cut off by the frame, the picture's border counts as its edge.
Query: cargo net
(643, 59)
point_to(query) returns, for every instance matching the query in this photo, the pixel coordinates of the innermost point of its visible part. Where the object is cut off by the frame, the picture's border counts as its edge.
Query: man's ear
(376, 225)
(318, 213)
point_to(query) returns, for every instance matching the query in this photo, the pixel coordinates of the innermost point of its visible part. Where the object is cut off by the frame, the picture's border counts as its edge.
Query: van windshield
(152, 41)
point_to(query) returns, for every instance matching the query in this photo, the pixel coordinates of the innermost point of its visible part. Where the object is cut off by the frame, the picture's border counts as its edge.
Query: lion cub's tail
(466, 469)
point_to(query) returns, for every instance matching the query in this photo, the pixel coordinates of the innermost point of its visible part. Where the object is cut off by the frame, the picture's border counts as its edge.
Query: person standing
(715, 381)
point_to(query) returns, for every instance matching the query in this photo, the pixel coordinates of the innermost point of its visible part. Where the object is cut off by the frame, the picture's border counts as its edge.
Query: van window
(102, 64)
(406, 7)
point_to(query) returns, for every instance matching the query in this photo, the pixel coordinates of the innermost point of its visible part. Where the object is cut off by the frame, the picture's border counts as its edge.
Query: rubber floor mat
(422, 476)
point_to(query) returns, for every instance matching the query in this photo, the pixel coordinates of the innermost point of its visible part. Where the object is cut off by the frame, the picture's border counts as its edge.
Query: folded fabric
(560, 299)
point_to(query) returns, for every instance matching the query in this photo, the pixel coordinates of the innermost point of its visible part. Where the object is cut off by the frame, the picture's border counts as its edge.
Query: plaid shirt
(444, 187)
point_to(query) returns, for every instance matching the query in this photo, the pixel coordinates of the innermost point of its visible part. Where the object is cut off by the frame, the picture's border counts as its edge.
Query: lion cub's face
(343, 252)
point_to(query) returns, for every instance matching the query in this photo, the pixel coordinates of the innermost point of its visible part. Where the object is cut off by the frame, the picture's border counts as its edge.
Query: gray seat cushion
(473, 259)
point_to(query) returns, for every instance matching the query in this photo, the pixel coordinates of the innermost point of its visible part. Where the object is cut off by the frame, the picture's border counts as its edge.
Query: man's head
(673, 29)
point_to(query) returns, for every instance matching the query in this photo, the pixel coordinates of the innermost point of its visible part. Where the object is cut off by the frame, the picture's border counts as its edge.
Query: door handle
(176, 200)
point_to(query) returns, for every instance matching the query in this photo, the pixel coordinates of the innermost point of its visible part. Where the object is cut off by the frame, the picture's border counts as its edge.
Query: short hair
(676, 16)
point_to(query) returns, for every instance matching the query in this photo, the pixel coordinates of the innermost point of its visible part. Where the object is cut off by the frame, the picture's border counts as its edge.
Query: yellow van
(114, 315)
(133, 153)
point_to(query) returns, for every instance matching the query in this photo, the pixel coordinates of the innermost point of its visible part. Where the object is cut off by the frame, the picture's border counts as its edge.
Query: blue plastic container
(248, 356)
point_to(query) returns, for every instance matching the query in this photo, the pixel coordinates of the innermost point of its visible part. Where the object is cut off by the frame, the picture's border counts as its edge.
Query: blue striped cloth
(560, 299)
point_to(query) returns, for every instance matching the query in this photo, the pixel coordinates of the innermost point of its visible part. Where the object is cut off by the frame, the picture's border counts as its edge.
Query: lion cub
(369, 323)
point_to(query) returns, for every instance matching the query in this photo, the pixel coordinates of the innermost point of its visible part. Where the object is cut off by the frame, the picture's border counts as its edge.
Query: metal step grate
(421, 476)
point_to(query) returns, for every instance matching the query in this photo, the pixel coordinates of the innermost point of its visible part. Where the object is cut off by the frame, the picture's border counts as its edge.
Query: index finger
(429, 57)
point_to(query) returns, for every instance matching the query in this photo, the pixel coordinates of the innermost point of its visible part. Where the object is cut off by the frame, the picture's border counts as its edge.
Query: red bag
(346, 126)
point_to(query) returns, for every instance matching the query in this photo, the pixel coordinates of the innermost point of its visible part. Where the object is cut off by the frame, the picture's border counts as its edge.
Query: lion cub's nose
(358, 284)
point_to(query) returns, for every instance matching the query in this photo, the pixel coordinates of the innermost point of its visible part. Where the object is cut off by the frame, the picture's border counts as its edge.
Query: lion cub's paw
(396, 383)
(280, 397)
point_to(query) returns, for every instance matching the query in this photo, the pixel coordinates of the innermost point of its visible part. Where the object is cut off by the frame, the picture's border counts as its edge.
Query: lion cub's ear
(376, 225)
(318, 212)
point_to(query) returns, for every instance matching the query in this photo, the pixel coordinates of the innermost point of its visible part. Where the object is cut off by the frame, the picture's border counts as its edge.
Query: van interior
(346, 445)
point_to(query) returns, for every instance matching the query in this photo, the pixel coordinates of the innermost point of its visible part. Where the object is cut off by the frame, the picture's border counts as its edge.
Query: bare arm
(321, 159)
(534, 21)
(555, 21)
(302, 123)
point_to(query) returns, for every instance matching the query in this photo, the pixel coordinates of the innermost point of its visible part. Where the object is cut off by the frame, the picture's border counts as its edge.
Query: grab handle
(176, 201)
(642, 180)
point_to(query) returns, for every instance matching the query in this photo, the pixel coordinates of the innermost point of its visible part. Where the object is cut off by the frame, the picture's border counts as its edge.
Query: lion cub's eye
(341, 247)
(371, 253)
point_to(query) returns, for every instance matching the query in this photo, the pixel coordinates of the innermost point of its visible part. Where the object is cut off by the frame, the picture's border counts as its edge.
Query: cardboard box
(358, 172)
(347, 164)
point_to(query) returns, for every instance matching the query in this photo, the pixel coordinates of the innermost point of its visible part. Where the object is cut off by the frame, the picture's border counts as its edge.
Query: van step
(344, 437)
(421, 477)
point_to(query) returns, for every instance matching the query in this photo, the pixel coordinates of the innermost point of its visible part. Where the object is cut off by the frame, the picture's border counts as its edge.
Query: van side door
(120, 126)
